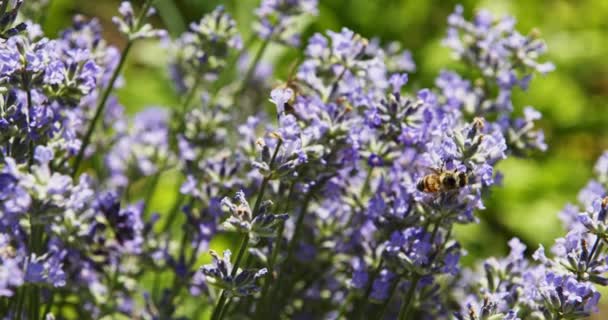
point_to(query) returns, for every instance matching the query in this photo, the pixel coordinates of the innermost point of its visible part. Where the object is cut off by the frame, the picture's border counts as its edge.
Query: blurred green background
(573, 99)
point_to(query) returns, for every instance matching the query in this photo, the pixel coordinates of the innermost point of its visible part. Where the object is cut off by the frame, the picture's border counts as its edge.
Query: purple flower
(202, 52)
(397, 81)
(280, 97)
(132, 25)
(220, 274)
(382, 285)
(143, 150)
(277, 19)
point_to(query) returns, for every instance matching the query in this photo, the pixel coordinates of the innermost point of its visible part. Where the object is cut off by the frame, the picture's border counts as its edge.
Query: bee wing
(433, 170)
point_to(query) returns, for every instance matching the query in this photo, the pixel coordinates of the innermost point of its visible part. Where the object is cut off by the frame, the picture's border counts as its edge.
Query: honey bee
(441, 180)
(291, 83)
(243, 211)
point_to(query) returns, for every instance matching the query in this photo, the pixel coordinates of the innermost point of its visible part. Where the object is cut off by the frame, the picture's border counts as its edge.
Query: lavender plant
(342, 198)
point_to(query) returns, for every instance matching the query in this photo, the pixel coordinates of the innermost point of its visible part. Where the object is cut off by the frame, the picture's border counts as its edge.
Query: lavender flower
(495, 47)
(141, 151)
(7, 20)
(374, 173)
(203, 51)
(11, 273)
(221, 275)
(263, 225)
(277, 19)
(133, 26)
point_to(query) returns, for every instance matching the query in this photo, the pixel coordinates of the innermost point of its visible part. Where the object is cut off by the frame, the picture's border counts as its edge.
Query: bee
(291, 83)
(441, 180)
(243, 211)
(7, 252)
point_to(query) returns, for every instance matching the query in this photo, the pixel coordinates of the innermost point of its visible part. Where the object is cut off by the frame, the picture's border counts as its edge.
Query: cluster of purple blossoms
(555, 287)
(201, 53)
(341, 201)
(277, 19)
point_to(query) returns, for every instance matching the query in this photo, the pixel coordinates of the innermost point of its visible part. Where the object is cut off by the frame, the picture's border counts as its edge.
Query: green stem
(254, 65)
(44, 13)
(49, 304)
(178, 282)
(153, 185)
(368, 290)
(240, 254)
(29, 112)
(35, 246)
(299, 225)
(225, 308)
(407, 301)
(174, 211)
(593, 250)
(386, 302)
(273, 258)
(34, 307)
(290, 247)
(181, 117)
(100, 108)
(344, 306)
(186, 103)
(406, 306)
(217, 312)
(335, 84)
(108, 90)
(19, 306)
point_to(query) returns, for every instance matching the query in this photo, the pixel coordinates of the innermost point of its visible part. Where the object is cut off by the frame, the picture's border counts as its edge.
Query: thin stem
(362, 192)
(240, 254)
(153, 185)
(29, 112)
(593, 249)
(217, 312)
(44, 13)
(368, 288)
(344, 306)
(273, 258)
(173, 212)
(384, 306)
(20, 300)
(254, 65)
(101, 107)
(181, 117)
(106, 93)
(335, 84)
(300, 221)
(407, 301)
(49, 304)
(298, 229)
(589, 257)
(34, 307)
(186, 103)
(299, 225)
(35, 246)
(225, 308)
